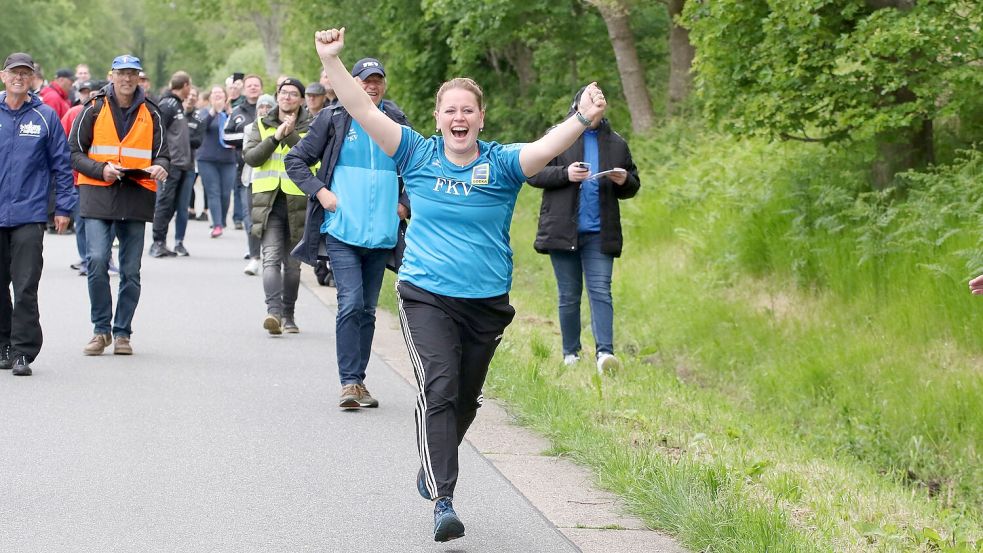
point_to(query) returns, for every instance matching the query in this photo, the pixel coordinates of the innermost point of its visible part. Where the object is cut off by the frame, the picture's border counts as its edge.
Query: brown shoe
(366, 399)
(350, 396)
(123, 346)
(272, 324)
(97, 344)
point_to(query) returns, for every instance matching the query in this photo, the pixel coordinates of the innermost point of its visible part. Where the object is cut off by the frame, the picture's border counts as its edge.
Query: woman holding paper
(580, 229)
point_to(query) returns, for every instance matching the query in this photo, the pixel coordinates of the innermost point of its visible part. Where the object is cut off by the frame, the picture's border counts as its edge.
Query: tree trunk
(901, 150)
(615, 14)
(270, 27)
(520, 57)
(681, 53)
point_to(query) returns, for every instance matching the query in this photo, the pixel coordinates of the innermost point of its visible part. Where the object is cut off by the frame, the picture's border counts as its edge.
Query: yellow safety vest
(273, 173)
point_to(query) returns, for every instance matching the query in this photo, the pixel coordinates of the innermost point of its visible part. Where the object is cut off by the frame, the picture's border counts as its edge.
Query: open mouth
(459, 132)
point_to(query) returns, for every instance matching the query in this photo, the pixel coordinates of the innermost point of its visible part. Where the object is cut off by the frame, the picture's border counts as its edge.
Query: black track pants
(451, 341)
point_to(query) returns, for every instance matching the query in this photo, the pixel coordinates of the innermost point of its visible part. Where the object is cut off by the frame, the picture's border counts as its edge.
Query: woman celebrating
(216, 160)
(457, 267)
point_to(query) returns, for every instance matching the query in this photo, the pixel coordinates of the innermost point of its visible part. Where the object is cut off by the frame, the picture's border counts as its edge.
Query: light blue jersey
(365, 182)
(457, 243)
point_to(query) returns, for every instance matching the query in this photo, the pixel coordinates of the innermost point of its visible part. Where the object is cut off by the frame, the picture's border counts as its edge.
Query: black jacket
(561, 198)
(178, 129)
(323, 143)
(124, 199)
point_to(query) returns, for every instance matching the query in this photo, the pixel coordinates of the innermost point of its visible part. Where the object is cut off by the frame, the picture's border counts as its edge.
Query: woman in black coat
(580, 229)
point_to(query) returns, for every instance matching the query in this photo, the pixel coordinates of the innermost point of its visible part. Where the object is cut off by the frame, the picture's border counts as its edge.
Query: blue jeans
(570, 269)
(79, 233)
(99, 244)
(358, 276)
(218, 179)
(252, 243)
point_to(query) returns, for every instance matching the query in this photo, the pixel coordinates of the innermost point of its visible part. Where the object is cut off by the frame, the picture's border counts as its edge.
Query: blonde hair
(463, 83)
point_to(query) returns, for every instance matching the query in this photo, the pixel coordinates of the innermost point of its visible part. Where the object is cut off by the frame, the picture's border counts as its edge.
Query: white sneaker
(607, 363)
(571, 359)
(252, 268)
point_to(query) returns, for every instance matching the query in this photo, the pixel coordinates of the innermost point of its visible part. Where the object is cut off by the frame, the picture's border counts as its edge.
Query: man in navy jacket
(33, 149)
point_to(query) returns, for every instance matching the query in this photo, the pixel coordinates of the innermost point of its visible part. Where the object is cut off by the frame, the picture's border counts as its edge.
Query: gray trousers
(281, 271)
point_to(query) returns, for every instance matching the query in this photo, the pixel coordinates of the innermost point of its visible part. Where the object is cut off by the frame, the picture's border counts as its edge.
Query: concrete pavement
(217, 437)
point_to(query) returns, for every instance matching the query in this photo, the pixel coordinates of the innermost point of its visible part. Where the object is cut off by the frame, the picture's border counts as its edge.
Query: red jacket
(55, 97)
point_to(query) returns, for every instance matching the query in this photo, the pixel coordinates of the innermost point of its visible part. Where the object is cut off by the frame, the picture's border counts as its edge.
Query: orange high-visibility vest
(133, 152)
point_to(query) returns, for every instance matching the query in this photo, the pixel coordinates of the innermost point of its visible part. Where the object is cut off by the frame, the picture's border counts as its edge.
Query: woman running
(457, 267)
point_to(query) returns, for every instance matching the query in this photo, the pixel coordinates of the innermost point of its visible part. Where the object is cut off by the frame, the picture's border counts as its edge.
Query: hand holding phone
(578, 171)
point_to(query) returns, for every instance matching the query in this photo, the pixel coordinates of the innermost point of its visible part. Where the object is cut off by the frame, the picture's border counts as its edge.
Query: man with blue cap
(119, 150)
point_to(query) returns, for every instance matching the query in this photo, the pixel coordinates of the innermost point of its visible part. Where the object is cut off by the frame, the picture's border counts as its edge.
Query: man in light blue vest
(360, 232)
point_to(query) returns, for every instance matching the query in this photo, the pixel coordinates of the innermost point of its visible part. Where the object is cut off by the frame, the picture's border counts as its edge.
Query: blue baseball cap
(127, 61)
(366, 67)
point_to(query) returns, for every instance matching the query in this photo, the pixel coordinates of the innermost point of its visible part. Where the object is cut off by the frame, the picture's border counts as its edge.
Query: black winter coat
(561, 198)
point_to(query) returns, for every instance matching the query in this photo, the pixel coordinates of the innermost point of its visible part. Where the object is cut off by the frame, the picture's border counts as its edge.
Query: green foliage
(837, 67)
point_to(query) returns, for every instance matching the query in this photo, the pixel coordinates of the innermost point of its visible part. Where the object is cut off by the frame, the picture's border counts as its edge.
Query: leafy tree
(829, 70)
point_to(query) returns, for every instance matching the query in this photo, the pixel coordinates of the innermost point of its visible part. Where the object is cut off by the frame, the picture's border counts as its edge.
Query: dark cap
(127, 61)
(18, 59)
(292, 82)
(84, 85)
(368, 66)
(315, 89)
(65, 74)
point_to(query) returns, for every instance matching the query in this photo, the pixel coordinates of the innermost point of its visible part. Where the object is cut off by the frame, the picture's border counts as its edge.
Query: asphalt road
(216, 437)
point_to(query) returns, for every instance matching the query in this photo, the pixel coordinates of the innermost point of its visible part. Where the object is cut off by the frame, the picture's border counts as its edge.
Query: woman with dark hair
(580, 229)
(457, 267)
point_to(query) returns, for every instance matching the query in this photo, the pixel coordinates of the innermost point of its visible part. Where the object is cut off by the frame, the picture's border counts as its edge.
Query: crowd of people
(328, 173)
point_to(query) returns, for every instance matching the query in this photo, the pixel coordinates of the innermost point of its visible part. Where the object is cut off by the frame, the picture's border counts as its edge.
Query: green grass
(802, 357)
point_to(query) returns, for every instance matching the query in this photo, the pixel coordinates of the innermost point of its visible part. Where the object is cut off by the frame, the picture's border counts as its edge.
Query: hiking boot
(6, 362)
(446, 525)
(350, 395)
(571, 359)
(421, 485)
(252, 268)
(21, 366)
(272, 324)
(159, 249)
(97, 344)
(366, 399)
(289, 326)
(238, 225)
(179, 249)
(216, 231)
(122, 346)
(607, 363)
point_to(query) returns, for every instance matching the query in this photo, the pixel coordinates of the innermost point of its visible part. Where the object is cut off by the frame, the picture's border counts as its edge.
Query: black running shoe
(421, 485)
(6, 360)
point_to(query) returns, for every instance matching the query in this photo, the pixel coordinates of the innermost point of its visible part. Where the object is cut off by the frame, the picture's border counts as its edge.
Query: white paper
(608, 172)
